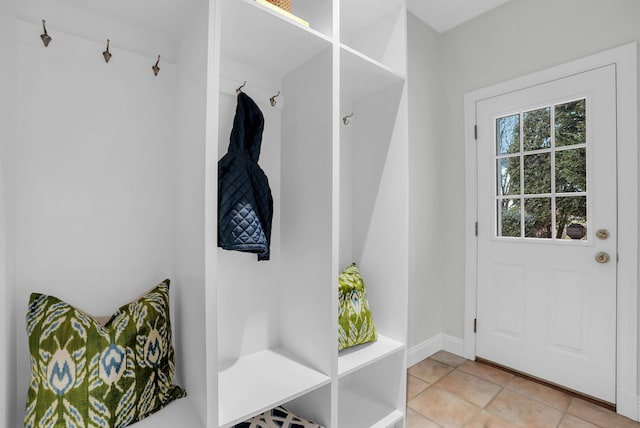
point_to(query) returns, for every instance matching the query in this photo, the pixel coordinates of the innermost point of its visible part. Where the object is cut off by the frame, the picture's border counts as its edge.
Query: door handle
(602, 257)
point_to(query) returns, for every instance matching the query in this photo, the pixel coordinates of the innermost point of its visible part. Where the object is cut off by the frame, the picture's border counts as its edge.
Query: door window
(541, 173)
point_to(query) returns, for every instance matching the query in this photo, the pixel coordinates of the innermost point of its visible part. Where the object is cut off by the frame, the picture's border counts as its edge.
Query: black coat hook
(345, 119)
(155, 68)
(272, 100)
(46, 39)
(106, 54)
(240, 88)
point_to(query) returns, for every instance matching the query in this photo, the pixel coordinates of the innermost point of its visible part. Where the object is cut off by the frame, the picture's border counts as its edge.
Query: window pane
(537, 218)
(537, 173)
(537, 129)
(508, 134)
(508, 173)
(509, 217)
(571, 217)
(570, 123)
(571, 170)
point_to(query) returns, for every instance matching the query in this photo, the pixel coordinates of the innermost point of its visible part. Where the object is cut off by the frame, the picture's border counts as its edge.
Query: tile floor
(446, 390)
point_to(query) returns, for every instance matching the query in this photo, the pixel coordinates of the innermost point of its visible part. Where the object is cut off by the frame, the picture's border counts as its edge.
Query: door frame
(625, 60)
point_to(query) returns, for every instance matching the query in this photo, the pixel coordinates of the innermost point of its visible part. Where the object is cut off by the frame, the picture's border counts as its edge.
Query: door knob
(602, 257)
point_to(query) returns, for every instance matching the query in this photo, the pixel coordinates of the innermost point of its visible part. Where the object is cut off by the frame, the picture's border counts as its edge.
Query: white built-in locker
(109, 185)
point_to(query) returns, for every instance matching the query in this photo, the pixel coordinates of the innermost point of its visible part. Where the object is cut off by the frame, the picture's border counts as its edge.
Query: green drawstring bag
(355, 324)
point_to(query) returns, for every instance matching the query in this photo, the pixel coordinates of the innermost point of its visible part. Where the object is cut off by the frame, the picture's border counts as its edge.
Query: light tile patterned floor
(448, 391)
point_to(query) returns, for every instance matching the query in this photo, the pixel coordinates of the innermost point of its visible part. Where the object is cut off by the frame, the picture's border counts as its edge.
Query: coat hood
(248, 124)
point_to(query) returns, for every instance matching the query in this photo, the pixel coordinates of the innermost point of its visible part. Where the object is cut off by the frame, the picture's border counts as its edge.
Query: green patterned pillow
(355, 324)
(85, 374)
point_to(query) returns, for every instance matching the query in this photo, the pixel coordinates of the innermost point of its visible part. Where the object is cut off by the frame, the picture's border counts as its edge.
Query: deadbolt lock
(602, 234)
(602, 257)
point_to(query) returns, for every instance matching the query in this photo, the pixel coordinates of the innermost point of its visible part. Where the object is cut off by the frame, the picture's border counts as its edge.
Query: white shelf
(177, 413)
(361, 75)
(261, 381)
(359, 411)
(351, 359)
(390, 420)
(254, 34)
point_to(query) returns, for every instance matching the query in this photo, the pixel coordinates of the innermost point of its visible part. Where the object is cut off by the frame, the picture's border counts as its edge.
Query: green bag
(355, 324)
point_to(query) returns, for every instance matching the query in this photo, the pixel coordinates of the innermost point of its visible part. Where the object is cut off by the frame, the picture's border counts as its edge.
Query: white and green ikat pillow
(355, 324)
(85, 374)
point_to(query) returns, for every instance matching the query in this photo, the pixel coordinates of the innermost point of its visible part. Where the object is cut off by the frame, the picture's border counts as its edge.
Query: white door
(546, 302)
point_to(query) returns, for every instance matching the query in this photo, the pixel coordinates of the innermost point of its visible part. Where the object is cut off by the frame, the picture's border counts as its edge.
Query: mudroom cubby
(377, 30)
(370, 397)
(270, 349)
(373, 196)
(109, 186)
(105, 177)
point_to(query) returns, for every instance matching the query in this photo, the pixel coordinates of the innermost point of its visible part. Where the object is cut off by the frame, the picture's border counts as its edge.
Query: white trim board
(440, 342)
(625, 60)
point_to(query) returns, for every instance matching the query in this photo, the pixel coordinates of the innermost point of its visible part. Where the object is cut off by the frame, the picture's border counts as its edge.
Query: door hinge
(475, 325)
(475, 132)
(476, 228)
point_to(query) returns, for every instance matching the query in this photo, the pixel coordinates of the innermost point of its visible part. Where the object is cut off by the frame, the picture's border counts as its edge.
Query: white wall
(518, 38)
(7, 105)
(426, 276)
(515, 39)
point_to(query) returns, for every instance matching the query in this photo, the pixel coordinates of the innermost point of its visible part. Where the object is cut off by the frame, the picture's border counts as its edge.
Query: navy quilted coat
(245, 204)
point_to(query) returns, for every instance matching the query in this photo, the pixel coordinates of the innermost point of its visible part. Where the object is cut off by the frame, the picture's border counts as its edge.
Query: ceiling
(442, 15)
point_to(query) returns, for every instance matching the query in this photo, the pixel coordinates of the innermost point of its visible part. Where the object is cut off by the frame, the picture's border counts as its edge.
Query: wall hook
(106, 54)
(345, 119)
(272, 100)
(46, 39)
(240, 88)
(155, 68)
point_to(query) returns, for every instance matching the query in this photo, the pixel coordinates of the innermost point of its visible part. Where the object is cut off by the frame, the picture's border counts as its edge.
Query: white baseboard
(453, 344)
(440, 342)
(424, 350)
